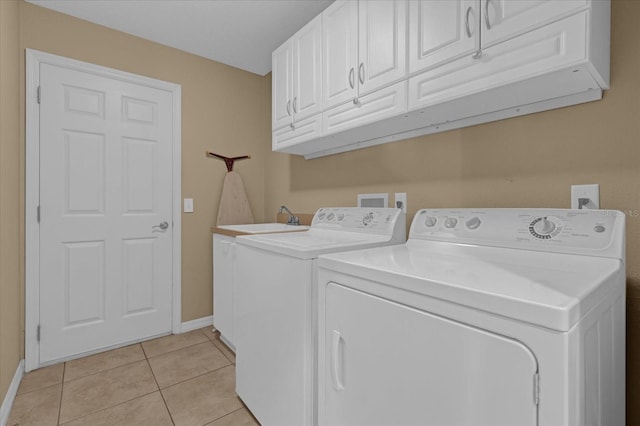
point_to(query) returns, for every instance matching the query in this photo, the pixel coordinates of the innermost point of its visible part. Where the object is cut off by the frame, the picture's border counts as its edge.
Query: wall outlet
(188, 205)
(401, 201)
(585, 196)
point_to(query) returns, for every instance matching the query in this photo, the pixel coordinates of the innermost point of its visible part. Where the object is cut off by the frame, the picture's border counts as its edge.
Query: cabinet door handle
(289, 108)
(486, 14)
(336, 364)
(351, 77)
(295, 109)
(361, 73)
(466, 24)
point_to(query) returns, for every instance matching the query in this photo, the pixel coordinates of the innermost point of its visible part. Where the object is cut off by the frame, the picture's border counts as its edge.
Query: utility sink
(264, 228)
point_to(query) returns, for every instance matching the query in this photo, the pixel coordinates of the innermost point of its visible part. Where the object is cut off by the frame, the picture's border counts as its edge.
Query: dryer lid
(551, 290)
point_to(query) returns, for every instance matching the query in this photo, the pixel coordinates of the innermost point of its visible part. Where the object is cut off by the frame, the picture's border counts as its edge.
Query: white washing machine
(275, 307)
(485, 317)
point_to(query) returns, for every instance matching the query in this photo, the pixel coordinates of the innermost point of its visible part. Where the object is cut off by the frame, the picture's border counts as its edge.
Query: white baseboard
(197, 323)
(7, 403)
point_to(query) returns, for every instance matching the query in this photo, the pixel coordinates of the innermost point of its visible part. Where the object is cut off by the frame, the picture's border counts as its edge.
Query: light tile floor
(185, 379)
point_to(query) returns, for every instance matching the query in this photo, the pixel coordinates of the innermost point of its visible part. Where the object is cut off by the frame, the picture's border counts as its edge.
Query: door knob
(163, 226)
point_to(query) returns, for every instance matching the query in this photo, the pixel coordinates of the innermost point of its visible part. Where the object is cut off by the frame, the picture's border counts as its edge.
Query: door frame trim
(32, 189)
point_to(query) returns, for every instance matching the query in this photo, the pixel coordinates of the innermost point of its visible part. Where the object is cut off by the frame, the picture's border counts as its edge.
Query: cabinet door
(389, 364)
(307, 49)
(382, 27)
(340, 52)
(503, 19)
(223, 258)
(441, 31)
(556, 46)
(282, 85)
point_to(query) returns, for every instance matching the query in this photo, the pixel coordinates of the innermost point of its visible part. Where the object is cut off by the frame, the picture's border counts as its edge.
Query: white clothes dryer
(485, 317)
(275, 307)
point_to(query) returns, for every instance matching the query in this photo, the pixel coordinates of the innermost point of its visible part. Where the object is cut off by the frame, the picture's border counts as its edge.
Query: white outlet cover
(401, 197)
(591, 192)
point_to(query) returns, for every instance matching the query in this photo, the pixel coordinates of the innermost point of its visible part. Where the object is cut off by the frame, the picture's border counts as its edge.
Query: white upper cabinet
(382, 27)
(282, 85)
(340, 47)
(441, 31)
(364, 48)
(503, 19)
(296, 81)
(367, 72)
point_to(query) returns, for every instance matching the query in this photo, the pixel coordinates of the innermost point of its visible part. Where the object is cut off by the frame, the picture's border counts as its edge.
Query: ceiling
(240, 33)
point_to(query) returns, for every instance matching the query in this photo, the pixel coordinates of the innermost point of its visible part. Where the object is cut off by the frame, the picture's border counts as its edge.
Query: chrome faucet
(292, 219)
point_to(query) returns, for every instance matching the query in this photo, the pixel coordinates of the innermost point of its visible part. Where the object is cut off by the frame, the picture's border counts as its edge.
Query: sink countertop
(256, 228)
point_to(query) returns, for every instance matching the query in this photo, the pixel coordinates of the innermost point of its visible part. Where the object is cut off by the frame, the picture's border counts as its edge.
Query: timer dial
(367, 219)
(545, 227)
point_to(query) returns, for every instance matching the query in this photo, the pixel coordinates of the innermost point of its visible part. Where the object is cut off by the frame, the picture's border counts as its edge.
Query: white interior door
(106, 212)
(388, 364)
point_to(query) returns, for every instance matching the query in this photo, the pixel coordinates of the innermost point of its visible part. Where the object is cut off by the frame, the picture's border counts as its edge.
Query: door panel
(503, 19)
(308, 70)
(105, 182)
(441, 31)
(340, 47)
(84, 185)
(139, 158)
(138, 266)
(282, 86)
(84, 278)
(390, 364)
(382, 44)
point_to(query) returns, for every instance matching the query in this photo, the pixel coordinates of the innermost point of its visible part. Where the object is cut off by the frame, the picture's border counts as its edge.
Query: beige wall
(10, 271)
(529, 161)
(221, 111)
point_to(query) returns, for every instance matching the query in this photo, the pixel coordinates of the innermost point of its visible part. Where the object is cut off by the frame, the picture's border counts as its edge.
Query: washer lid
(310, 244)
(548, 289)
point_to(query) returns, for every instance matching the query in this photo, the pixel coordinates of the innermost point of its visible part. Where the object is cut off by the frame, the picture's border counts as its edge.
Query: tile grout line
(221, 342)
(158, 385)
(228, 414)
(174, 350)
(105, 408)
(102, 371)
(199, 375)
(64, 370)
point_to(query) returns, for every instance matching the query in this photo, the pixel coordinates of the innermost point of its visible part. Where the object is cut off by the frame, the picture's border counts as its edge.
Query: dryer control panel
(594, 232)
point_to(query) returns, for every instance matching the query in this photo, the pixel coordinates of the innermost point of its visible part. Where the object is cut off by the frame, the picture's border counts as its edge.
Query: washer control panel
(360, 219)
(569, 231)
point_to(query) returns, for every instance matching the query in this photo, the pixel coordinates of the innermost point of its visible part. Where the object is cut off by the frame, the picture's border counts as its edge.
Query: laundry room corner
(527, 161)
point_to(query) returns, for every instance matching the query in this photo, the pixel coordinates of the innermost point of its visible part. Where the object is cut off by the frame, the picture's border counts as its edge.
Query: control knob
(473, 223)
(544, 226)
(430, 221)
(330, 216)
(450, 222)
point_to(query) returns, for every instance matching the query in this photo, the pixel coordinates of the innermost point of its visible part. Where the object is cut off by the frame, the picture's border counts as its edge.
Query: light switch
(188, 205)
